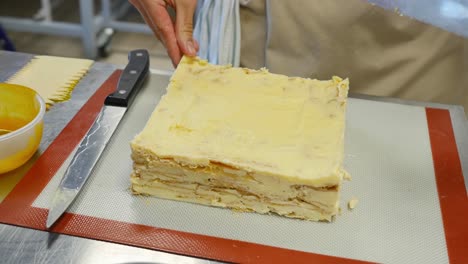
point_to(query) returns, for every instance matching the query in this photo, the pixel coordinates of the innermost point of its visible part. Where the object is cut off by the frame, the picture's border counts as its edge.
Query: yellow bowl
(21, 112)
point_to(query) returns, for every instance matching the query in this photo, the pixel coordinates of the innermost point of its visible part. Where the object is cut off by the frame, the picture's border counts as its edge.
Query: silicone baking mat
(406, 174)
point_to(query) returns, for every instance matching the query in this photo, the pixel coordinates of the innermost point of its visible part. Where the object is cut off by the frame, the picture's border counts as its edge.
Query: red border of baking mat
(450, 183)
(16, 208)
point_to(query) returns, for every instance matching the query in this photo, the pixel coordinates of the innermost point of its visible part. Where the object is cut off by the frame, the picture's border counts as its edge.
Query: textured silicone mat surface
(388, 154)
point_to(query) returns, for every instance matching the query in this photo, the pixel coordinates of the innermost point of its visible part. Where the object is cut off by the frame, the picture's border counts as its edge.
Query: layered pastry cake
(245, 139)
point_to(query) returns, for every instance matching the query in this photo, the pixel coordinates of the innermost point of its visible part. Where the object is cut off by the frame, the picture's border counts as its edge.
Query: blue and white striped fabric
(217, 30)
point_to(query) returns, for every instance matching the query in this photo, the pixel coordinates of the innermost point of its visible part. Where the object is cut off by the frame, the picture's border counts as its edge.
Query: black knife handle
(131, 79)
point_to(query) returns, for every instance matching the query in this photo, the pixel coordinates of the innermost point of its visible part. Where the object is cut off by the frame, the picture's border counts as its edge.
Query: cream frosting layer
(251, 120)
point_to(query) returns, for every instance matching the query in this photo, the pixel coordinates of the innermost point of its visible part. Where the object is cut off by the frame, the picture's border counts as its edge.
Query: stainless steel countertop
(23, 245)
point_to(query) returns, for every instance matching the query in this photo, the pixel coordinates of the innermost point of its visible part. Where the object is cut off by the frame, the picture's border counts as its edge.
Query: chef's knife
(101, 131)
(451, 15)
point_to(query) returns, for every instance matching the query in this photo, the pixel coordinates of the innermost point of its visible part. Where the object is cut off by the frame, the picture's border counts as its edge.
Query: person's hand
(176, 36)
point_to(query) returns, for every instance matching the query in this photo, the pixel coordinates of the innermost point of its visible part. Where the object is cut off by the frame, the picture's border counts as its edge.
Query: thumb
(184, 26)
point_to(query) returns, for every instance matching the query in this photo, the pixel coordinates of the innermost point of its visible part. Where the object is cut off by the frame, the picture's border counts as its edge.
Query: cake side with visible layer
(245, 139)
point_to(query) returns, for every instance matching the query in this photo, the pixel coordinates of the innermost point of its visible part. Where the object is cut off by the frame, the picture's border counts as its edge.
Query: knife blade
(450, 15)
(97, 137)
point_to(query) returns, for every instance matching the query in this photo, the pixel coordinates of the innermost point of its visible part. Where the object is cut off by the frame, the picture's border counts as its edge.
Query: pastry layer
(232, 199)
(254, 191)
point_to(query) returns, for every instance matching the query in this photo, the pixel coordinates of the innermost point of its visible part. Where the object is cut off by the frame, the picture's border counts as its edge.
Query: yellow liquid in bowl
(18, 107)
(12, 124)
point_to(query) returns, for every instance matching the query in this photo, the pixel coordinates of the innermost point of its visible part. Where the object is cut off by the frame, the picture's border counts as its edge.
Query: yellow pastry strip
(54, 78)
